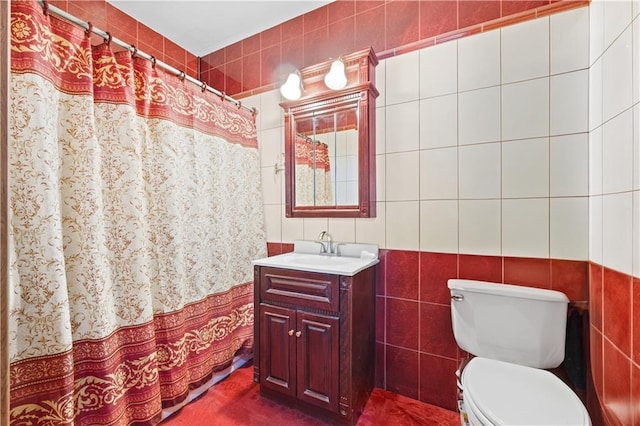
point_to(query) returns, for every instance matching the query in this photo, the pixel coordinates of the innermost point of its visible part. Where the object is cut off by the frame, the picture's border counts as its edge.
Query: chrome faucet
(325, 243)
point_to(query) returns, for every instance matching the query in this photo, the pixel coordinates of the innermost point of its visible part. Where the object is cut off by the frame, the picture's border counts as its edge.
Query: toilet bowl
(501, 393)
(514, 333)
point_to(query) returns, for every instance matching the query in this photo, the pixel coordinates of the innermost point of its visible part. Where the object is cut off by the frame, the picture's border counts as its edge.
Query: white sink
(324, 260)
(356, 258)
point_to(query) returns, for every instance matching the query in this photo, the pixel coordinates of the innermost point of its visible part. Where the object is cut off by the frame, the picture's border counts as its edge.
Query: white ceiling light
(336, 78)
(292, 88)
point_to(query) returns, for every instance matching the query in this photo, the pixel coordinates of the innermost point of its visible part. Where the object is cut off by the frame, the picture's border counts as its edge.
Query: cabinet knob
(290, 332)
(298, 333)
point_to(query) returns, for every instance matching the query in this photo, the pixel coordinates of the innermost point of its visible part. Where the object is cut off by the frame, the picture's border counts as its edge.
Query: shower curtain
(135, 213)
(313, 173)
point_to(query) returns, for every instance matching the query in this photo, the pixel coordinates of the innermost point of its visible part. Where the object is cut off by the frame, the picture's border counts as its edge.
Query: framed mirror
(330, 143)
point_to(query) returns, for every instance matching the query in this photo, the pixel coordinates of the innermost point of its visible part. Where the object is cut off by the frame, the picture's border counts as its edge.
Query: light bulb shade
(292, 88)
(336, 78)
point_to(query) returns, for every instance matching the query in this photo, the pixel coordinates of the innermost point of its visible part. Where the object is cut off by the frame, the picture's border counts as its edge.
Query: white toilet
(515, 333)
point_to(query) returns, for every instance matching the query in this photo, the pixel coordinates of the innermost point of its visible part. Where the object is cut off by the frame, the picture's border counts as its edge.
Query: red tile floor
(236, 401)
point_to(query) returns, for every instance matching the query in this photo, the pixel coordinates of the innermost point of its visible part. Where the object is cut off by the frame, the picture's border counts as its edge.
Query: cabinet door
(277, 349)
(318, 360)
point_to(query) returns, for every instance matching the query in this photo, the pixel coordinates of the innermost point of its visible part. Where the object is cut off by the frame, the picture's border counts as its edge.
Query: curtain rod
(131, 48)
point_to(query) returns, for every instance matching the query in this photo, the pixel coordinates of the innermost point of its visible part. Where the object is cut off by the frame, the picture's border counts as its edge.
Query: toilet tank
(517, 324)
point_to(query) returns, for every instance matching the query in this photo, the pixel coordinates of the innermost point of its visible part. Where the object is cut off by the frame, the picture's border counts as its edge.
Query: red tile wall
(615, 343)
(416, 353)
(120, 25)
(391, 27)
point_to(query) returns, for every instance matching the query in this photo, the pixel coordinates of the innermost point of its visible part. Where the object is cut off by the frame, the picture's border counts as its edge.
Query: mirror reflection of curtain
(313, 173)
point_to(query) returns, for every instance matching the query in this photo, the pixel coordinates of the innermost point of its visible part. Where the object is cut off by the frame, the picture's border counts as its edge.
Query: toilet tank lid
(507, 290)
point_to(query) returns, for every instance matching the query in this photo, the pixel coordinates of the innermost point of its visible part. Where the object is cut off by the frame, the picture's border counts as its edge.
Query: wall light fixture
(292, 88)
(336, 78)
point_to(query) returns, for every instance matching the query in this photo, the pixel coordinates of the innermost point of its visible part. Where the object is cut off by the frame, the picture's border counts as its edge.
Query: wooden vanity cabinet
(315, 340)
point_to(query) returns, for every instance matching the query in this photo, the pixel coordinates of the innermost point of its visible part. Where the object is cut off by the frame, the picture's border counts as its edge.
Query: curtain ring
(45, 8)
(182, 75)
(254, 111)
(222, 96)
(134, 51)
(107, 40)
(203, 86)
(153, 61)
(239, 104)
(89, 30)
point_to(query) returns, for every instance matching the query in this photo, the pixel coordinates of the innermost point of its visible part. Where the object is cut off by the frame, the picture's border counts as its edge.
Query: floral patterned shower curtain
(313, 173)
(136, 210)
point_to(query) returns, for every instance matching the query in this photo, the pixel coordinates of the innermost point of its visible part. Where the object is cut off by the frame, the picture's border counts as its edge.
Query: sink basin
(315, 259)
(356, 258)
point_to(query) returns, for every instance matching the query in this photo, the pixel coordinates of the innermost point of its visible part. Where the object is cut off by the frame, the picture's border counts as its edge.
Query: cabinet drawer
(308, 289)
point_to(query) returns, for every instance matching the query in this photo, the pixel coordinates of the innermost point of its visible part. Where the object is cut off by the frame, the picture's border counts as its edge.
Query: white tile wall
(402, 127)
(479, 61)
(381, 177)
(271, 186)
(292, 227)
(439, 70)
(617, 235)
(595, 95)
(636, 60)
(479, 116)
(636, 233)
(595, 228)
(614, 230)
(569, 165)
(479, 227)
(381, 130)
(595, 162)
(525, 50)
(525, 109)
(596, 30)
(617, 16)
(372, 230)
(381, 79)
(617, 76)
(439, 174)
(273, 222)
(479, 171)
(569, 228)
(525, 227)
(270, 113)
(636, 147)
(271, 146)
(405, 84)
(569, 103)
(312, 227)
(617, 153)
(525, 168)
(439, 226)
(402, 225)
(439, 121)
(403, 176)
(570, 41)
(342, 229)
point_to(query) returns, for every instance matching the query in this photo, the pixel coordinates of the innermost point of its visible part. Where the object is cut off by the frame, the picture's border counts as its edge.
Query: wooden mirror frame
(361, 91)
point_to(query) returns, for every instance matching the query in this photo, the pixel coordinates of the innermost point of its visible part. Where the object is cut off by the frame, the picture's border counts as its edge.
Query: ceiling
(202, 27)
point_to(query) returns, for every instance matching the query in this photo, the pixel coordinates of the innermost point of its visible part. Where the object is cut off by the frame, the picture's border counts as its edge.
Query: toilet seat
(503, 393)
